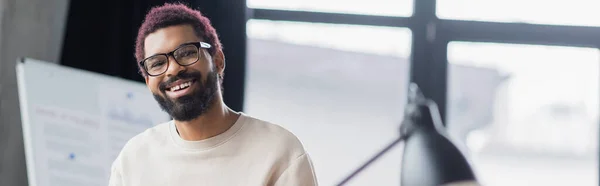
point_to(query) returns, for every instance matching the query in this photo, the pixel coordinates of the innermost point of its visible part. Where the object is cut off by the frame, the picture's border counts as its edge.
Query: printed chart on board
(76, 122)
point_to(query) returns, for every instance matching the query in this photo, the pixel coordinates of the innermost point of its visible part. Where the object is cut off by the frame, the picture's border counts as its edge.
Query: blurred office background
(517, 81)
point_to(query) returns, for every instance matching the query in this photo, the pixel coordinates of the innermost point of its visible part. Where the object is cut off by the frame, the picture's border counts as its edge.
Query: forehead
(169, 38)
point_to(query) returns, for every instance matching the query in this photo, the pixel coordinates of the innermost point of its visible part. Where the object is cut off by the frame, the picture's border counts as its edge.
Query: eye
(187, 53)
(157, 64)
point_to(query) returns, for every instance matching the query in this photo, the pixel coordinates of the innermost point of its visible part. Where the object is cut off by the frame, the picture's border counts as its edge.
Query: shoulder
(274, 135)
(136, 150)
(292, 163)
(144, 141)
(154, 135)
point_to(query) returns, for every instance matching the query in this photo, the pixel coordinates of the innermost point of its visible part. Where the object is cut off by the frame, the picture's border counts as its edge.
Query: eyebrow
(186, 44)
(179, 46)
(192, 42)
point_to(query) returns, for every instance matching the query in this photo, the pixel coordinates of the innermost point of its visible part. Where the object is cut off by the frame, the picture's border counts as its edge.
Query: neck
(218, 119)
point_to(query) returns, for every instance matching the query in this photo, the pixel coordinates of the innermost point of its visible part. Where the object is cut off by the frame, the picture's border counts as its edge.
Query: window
(527, 114)
(402, 8)
(559, 12)
(340, 88)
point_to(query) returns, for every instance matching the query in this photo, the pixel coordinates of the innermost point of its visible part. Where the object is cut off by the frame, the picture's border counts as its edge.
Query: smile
(180, 86)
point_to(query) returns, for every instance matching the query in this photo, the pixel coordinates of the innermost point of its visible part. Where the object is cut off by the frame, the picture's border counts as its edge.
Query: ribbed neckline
(209, 143)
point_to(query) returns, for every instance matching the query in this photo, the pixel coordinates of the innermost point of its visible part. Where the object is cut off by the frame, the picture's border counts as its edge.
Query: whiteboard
(76, 122)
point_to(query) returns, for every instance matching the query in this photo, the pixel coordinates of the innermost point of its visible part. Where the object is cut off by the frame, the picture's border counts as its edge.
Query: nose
(174, 68)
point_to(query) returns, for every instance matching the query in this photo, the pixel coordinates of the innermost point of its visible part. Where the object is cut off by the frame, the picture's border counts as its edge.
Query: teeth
(185, 85)
(181, 86)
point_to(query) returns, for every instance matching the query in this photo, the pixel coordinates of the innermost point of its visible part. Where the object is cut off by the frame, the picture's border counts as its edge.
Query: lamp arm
(435, 116)
(370, 161)
(406, 128)
(411, 115)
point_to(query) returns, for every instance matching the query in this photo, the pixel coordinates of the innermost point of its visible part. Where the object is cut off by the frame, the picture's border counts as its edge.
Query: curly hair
(171, 15)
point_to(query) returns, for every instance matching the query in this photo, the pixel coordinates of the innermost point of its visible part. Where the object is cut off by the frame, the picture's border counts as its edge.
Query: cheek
(153, 85)
(203, 67)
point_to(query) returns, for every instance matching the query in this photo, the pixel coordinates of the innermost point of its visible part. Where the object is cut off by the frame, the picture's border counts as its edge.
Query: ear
(141, 73)
(219, 60)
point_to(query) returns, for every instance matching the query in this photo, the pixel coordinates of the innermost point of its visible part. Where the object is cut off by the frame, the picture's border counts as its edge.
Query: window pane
(341, 94)
(555, 12)
(527, 113)
(375, 7)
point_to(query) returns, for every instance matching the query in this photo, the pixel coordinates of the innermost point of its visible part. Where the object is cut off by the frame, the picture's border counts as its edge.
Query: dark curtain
(100, 37)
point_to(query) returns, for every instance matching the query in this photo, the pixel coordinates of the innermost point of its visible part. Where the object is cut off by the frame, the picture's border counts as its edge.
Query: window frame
(431, 36)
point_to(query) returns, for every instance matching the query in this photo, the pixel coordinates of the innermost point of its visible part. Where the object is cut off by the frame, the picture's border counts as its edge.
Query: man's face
(185, 92)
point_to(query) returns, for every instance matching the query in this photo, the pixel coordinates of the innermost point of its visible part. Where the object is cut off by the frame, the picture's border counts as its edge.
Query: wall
(31, 28)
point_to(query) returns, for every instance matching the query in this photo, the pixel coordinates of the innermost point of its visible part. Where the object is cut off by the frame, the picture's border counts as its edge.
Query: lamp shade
(430, 158)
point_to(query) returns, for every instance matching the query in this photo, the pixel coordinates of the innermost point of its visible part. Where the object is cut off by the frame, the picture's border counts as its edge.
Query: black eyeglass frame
(198, 45)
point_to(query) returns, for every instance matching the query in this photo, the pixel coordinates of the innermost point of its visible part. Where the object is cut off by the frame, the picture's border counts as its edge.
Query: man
(206, 143)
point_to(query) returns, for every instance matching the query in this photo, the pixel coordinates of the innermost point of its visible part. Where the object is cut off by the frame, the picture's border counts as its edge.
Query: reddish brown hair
(171, 15)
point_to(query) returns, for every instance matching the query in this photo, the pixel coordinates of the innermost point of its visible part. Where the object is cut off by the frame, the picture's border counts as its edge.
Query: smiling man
(206, 143)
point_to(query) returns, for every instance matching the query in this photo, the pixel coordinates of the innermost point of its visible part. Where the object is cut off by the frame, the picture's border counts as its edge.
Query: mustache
(182, 75)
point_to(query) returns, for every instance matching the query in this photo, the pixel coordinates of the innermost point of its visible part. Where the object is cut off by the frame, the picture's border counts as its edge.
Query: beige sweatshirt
(252, 152)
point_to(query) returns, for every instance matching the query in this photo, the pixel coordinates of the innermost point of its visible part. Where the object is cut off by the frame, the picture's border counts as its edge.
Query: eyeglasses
(185, 55)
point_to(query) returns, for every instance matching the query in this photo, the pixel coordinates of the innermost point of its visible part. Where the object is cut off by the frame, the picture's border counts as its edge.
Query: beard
(193, 105)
